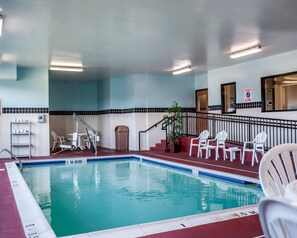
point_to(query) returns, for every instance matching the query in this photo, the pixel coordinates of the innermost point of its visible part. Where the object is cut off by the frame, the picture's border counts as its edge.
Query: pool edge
(139, 229)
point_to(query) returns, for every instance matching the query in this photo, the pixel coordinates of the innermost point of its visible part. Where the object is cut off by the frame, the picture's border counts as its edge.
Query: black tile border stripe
(249, 105)
(238, 106)
(117, 111)
(19, 110)
(11, 110)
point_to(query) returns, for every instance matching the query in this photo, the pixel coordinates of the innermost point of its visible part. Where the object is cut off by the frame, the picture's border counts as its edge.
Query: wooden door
(201, 106)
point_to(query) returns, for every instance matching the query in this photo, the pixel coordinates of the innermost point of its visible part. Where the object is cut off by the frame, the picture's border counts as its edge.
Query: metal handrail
(12, 155)
(155, 125)
(88, 127)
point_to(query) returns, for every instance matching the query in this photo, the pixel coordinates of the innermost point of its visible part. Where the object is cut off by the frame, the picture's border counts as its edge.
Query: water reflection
(114, 194)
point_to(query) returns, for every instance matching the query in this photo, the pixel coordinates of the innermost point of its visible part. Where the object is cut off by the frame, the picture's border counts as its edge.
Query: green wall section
(133, 91)
(163, 90)
(8, 71)
(29, 90)
(103, 94)
(201, 82)
(73, 95)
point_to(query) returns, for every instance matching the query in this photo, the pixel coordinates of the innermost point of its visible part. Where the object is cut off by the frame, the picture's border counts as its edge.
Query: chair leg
(253, 157)
(207, 153)
(242, 159)
(217, 153)
(199, 151)
(190, 153)
(256, 157)
(54, 145)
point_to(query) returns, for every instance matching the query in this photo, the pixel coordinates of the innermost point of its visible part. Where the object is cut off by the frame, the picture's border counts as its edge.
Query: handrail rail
(78, 119)
(12, 155)
(140, 132)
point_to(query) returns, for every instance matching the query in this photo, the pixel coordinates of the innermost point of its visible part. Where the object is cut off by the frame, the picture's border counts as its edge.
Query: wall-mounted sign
(247, 94)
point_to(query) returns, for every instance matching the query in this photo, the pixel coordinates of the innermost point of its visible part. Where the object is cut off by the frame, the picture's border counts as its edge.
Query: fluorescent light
(1, 24)
(182, 70)
(245, 52)
(291, 78)
(293, 82)
(66, 68)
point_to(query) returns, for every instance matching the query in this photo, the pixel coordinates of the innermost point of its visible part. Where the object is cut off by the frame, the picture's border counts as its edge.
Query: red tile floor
(10, 223)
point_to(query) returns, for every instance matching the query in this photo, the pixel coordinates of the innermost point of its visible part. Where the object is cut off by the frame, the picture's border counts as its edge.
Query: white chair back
(203, 137)
(261, 138)
(278, 218)
(277, 169)
(221, 137)
(54, 135)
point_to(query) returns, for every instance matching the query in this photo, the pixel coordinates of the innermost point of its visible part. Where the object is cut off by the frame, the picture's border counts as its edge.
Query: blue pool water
(99, 195)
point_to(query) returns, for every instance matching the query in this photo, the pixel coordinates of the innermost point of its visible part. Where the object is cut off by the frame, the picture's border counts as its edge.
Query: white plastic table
(232, 153)
(291, 191)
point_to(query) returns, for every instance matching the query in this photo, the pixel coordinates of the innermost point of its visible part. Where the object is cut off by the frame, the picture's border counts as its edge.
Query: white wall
(105, 124)
(136, 122)
(39, 138)
(248, 75)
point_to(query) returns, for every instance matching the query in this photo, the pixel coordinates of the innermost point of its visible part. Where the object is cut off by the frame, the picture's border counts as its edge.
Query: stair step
(158, 149)
(160, 145)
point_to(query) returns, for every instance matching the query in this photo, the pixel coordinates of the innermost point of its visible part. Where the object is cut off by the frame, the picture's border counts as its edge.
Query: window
(279, 92)
(228, 97)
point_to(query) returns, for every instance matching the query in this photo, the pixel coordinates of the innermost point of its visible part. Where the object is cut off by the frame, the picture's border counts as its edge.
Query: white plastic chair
(72, 145)
(201, 142)
(277, 169)
(57, 140)
(220, 140)
(278, 218)
(257, 145)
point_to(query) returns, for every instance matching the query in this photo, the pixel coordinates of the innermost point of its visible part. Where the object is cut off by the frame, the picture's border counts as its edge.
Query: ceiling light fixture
(1, 24)
(292, 82)
(182, 70)
(291, 78)
(67, 68)
(245, 52)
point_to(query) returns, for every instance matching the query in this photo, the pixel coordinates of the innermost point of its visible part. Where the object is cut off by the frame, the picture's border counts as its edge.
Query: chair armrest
(247, 142)
(60, 138)
(195, 138)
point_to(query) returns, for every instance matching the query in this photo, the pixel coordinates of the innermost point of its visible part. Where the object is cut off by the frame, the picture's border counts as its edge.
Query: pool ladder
(12, 156)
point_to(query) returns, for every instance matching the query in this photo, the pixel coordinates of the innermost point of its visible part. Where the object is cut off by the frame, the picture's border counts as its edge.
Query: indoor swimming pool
(80, 196)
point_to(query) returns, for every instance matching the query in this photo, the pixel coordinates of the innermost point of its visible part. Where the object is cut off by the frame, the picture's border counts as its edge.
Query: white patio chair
(57, 140)
(219, 140)
(201, 142)
(277, 169)
(257, 145)
(70, 146)
(278, 217)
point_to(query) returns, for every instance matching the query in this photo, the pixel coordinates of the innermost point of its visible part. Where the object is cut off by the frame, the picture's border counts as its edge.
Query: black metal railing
(241, 128)
(150, 128)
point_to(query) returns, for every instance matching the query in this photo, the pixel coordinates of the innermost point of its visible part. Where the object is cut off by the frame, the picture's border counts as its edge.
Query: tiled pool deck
(234, 223)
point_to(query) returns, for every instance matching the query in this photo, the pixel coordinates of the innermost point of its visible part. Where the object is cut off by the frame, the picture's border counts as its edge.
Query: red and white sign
(247, 94)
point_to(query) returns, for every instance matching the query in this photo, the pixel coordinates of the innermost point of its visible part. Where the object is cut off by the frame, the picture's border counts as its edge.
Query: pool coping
(35, 224)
